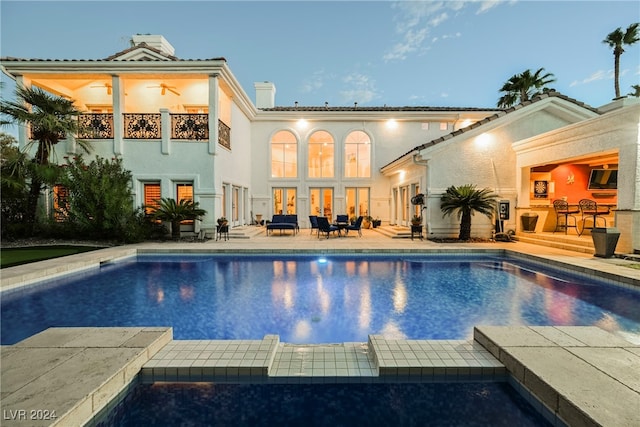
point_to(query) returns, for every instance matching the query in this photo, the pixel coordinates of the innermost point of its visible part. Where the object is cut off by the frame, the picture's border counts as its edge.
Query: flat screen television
(603, 179)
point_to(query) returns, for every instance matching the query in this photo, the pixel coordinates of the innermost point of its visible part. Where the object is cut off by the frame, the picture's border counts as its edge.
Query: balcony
(148, 126)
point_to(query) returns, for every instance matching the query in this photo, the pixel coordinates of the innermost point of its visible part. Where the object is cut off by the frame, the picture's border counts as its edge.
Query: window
(321, 155)
(357, 155)
(284, 155)
(357, 201)
(60, 203)
(184, 191)
(322, 202)
(151, 196)
(98, 108)
(444, 126)
(284, 201)
(196, 109)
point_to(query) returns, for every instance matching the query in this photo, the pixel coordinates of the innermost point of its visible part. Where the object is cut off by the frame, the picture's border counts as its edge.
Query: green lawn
(10, 257)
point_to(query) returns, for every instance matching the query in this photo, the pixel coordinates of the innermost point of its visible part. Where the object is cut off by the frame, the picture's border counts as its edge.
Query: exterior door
(322, 202)
(285, 201)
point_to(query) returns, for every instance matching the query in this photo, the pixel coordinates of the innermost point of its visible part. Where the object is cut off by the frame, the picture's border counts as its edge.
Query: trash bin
(605, 241)
(529, 221)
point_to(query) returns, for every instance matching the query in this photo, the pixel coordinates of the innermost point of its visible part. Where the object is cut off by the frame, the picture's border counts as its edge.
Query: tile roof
(501, 112)
(115, 56)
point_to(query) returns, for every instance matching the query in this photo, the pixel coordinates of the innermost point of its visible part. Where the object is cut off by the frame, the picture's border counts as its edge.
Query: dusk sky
(403, 53)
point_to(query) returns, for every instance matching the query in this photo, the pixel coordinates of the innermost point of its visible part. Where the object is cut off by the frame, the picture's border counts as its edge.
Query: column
(214, 106)
(117, 89)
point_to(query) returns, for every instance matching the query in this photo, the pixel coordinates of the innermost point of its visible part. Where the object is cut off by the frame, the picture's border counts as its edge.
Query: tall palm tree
(616, 40)
(522, 87)
(463, 201)
(636, 91)
(50, 118)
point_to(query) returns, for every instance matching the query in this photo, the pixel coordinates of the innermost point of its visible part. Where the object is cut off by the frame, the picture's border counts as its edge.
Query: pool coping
(82, 373)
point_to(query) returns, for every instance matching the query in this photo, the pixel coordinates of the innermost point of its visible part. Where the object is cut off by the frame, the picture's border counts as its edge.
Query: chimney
(155, 41)
(265, 94)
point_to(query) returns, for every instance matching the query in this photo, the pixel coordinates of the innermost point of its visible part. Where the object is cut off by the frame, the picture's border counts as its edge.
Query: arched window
(284, 155)
(357, 155)
(321, 155)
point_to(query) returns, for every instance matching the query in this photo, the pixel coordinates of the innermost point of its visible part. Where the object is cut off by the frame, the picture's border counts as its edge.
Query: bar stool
(589, 209)
(563, 209)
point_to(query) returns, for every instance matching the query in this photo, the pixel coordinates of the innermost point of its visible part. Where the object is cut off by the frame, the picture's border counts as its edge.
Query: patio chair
(563, 210)
(590, 210)
(342, 218)
(355, 226)
(313, 220)
(324, 226)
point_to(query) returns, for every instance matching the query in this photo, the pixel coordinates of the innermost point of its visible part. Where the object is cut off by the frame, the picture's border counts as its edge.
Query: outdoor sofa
(283, 222)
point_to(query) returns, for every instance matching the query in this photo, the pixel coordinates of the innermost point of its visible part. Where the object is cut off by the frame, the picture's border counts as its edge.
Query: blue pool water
(330, 405)
(311, 299)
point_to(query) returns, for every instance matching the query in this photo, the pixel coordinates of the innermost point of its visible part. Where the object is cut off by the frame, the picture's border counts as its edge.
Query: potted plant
(366, 221)
(222, 221)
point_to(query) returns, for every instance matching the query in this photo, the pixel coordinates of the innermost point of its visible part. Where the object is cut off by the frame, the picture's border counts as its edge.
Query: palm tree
(169, 210)
(616, 40)
(464, 201)
(50, 118)
(636, 91)
(522, 87)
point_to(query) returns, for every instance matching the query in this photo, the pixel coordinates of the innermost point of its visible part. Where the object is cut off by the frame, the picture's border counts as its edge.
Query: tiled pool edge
(378, 360)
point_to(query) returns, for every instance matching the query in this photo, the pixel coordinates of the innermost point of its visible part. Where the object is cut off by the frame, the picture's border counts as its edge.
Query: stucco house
(187, 129)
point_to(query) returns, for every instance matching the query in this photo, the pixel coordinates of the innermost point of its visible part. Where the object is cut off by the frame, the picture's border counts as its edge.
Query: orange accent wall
(578, 189)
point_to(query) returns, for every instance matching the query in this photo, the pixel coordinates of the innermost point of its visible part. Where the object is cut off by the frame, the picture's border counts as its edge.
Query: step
(575, 246)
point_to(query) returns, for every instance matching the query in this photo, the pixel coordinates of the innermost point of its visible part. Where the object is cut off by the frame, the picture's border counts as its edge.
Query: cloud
(598, 75)
(315, 82)
(361, 89)
(486, 5)
(416, 19)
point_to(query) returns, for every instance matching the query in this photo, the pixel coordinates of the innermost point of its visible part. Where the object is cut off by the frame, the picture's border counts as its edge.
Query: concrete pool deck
(578, 375)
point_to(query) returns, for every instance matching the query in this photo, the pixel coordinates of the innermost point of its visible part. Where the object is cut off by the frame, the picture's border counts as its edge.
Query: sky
(375, 53)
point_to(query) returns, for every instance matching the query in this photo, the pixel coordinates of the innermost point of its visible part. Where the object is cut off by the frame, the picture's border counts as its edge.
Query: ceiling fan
(106, 85)
(166, 88)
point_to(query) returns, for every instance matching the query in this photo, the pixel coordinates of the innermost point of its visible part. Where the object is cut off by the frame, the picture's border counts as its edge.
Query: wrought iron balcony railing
(193, 127)
(224, 135)
(142, 126)
(95, 126)
(184, 127)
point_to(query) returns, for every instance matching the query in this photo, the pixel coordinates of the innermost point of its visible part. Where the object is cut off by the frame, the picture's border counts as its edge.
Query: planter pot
(605, 241)
(529, 221)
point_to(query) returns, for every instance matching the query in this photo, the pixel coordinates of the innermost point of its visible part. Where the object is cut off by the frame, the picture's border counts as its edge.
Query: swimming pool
(400, 404)
(319, 299)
